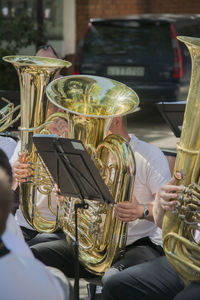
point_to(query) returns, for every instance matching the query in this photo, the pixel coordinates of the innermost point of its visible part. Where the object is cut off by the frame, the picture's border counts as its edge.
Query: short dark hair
(6, 200)
(5, 165)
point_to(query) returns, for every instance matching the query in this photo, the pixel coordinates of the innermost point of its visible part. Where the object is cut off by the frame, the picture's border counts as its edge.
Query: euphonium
(181, 228)
(34, 75)
(91, 102)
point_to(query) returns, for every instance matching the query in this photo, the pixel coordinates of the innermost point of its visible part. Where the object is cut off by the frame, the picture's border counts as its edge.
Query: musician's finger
(168, 205)
(124, 205)
(60, 200)
(24, 158)
(173, 188)
(21, 173)
(123, 214)
(19, 165)
(130, 214)
(22, 179)
(168, 196)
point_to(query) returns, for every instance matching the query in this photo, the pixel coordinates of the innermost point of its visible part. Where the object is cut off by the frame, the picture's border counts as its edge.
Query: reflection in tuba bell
(34, 75)
(90, 103)
(181, 229)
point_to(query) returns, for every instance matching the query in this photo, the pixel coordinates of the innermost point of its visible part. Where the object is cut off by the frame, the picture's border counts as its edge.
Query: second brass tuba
(91, 102)
(34, 75)
(181, 229)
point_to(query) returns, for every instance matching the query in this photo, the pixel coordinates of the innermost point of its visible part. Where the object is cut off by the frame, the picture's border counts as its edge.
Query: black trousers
(153, 280)
(33, 237)
(137, 253)
(58, 254)
(191, 292)
(140, 251)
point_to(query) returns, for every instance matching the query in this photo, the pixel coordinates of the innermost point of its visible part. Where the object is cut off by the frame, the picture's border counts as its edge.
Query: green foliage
(15, 33)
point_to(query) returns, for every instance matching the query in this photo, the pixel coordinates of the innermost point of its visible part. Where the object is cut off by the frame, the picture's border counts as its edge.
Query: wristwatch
(146, 211)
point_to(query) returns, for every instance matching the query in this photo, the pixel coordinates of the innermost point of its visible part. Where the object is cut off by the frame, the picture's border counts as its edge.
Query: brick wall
(175, 6)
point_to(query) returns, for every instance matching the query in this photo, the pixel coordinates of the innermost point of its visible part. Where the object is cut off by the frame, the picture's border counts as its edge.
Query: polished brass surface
(92, 96)
(34, 75)
(90, 103)
(181, 228)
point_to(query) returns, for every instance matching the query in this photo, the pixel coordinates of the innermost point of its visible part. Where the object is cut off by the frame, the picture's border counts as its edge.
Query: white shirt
(13, 239)
(152, 170)
(8, 145)
(23, 278)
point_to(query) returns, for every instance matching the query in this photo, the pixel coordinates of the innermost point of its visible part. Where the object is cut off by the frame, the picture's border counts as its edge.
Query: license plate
(125, 71)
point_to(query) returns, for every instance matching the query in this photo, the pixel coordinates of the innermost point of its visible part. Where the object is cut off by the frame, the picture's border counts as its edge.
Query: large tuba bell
(90, 103)
(181, 228)
(34, 75)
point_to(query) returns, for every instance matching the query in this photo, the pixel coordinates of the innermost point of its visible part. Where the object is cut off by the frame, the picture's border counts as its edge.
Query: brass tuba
(34, 75)
(90, 103)
(181, 228)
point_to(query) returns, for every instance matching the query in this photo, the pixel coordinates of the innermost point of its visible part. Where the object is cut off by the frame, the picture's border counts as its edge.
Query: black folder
(72, 168)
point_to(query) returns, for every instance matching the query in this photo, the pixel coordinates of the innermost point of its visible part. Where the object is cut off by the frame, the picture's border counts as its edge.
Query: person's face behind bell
(115, 126)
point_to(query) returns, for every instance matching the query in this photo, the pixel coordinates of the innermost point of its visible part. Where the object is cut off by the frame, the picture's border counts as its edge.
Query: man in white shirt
(144, 240)
(144, 237)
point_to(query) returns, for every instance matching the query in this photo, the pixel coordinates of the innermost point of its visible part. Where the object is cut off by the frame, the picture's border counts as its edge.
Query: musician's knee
(108, 274)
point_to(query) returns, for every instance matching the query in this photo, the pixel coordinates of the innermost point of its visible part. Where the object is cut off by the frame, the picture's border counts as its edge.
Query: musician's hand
(59, 198)
(21, 169)
(168, 193)
(59, 127)
(129, 211)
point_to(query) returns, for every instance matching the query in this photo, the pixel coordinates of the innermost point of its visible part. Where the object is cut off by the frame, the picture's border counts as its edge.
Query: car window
(129, 37)
(188, 29)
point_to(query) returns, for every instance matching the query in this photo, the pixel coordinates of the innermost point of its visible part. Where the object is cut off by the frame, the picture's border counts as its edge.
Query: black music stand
(173, 114)
(75, 174)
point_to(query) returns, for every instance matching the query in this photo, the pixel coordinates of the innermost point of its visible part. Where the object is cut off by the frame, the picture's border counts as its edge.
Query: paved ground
(149, 126)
